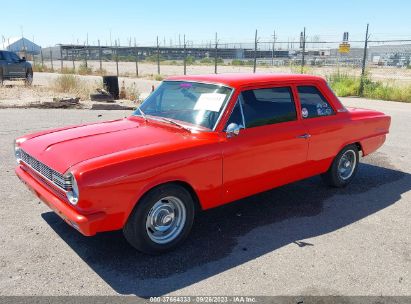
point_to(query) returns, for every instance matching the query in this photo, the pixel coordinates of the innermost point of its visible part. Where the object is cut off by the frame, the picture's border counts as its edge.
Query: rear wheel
(161, 220)
(29, 78)
(343, 168)
(1, 77)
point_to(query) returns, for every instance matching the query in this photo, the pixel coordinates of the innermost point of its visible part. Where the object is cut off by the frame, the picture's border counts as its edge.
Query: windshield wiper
(175, 123)
(142, 113)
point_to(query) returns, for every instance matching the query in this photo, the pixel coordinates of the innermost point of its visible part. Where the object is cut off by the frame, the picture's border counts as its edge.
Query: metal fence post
(215, 54)
(255, 52)
(158, 57)
(303, 57)
(61, 58)
(185, 56)
(42, 59)
(51, 59)
(364, 62)
(136, 50)
(85, 55)
(272, 53)
(99, 56)
(116, 58)
(72, 58)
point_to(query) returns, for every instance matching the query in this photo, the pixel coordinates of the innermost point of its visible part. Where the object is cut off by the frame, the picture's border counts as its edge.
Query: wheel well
(358, 145)
(186, 186)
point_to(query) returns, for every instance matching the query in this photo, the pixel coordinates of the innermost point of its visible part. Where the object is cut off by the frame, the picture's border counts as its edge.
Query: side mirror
(233, 129)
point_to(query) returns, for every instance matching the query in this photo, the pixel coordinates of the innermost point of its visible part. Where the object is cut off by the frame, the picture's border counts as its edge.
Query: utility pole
(215, 54)
(303, 58)
(255, 52)
(158, 57)
(364, 62)
(185, 55)
(272, 54)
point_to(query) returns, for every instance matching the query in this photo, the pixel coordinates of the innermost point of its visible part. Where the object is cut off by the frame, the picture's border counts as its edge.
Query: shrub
(348, 85)
(84, 70)
(207, 60)
(66, 70)
(71, 84)
(153, 58)
(190, 60)
(158, 77)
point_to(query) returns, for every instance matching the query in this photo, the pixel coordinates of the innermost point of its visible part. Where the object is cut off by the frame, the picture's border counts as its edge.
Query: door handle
(305, 136)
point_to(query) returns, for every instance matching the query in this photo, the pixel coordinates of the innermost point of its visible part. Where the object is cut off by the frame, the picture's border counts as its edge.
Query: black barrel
(111, 85)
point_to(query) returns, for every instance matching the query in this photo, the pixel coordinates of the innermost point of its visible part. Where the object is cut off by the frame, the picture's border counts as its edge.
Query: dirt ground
(386, 74)
(15, 94)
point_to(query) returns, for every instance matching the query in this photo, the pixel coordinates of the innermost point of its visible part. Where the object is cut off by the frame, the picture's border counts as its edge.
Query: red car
(196, 142)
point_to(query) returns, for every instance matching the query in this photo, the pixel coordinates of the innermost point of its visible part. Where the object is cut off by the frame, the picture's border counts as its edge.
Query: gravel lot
(301, 239)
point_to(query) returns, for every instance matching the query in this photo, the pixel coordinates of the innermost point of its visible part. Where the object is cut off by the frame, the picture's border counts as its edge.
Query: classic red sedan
(195, 143)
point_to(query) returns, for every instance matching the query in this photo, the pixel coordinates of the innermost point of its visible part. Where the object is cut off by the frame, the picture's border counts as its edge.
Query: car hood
(63, 148)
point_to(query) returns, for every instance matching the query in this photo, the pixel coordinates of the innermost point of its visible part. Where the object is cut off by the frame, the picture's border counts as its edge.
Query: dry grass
(132, 92)
(72, 85)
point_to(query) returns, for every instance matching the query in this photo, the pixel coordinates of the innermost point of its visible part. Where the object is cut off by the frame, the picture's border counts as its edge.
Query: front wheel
(343, 168)
(161, 220)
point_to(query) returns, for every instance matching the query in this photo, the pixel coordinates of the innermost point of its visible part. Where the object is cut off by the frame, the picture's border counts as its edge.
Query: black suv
(14, 68)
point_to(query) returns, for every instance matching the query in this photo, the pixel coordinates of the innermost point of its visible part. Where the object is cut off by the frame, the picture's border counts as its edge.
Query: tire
(29, 78)
(344, 167)
(1, 77)
(142, 230)
(101, 97)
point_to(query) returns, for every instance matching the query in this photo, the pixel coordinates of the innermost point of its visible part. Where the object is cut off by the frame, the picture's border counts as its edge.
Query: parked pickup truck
(12, 67)
(197, 142)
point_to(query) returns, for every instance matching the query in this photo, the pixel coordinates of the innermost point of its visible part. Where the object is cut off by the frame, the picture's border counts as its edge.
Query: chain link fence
(383, 61)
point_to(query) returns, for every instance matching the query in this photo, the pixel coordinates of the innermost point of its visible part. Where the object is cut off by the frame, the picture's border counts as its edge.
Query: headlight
(72, 188)
(17, 152)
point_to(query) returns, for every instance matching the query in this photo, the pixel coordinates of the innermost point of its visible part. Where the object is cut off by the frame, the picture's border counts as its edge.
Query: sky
(53, 22)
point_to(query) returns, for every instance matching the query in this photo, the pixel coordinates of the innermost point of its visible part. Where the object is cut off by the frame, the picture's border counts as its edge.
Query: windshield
(195, 103)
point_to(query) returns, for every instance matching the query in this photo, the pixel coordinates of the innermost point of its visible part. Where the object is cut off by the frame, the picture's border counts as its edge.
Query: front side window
(197, 104)
(313, 103)
(14, 57)
(268, 106)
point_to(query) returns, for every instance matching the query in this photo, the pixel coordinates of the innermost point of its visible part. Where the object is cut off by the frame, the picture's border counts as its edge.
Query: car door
(270, 148)
(324, 125)
(15, 67)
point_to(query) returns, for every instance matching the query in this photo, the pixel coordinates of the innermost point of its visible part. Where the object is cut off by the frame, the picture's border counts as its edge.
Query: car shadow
(234, 234)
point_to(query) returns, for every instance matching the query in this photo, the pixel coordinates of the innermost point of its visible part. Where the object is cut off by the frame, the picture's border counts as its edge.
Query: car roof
(240, 79)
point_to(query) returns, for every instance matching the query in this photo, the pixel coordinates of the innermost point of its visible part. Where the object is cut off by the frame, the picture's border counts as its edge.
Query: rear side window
(2, 56)
(268, 106)
(313, 103)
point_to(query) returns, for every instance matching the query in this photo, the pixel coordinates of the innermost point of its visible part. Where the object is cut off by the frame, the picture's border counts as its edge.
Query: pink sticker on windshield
(186, 85)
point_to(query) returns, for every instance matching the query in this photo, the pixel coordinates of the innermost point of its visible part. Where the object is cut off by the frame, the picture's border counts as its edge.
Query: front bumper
(87, 225)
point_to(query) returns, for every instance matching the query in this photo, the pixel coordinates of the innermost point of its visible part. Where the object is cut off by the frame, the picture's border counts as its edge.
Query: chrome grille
(45, 171)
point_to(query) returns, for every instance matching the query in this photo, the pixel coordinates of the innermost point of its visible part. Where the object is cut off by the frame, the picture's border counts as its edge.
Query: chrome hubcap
(166, 220)
(347, 164)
